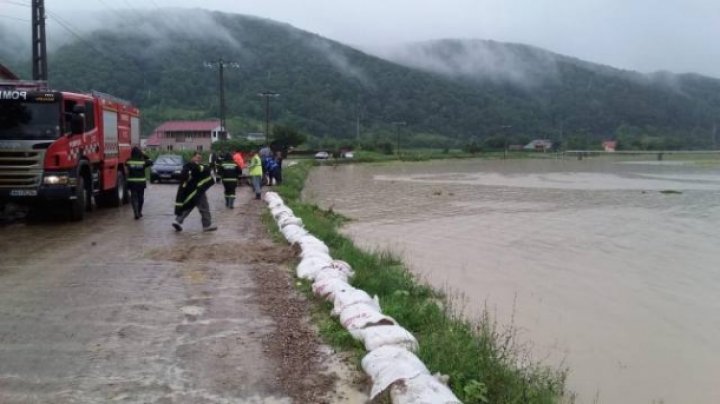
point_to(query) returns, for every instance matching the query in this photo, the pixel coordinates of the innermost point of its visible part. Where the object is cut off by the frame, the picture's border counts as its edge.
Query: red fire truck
(64, 148)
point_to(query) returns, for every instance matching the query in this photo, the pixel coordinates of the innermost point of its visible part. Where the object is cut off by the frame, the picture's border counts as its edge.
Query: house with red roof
(185, 135)
(609, 145)
(6, 74)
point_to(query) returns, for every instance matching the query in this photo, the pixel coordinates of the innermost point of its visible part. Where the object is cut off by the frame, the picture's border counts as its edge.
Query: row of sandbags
(390, 361)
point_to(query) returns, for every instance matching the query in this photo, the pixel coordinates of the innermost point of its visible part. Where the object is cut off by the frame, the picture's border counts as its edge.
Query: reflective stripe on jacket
(136, 171)
(229, 172)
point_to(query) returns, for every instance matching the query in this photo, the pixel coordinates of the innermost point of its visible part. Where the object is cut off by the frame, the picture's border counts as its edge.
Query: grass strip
(485, 364)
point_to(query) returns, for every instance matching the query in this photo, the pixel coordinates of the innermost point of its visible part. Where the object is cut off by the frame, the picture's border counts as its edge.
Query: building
(6, 74)
(185, 135)
(539, 145)
(609, 145)
(257, 137)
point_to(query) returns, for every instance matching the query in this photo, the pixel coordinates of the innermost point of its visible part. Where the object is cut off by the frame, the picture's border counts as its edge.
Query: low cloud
(478, 60)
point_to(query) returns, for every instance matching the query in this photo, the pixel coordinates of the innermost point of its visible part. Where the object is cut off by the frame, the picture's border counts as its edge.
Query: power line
(14, 18)
(66, 26)
(17, 3)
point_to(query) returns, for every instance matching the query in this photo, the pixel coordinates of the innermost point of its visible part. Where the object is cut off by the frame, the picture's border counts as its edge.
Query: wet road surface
(114, 309)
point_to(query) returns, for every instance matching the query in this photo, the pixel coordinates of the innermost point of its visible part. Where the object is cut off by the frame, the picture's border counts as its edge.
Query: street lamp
(267, 95)
(397, 134)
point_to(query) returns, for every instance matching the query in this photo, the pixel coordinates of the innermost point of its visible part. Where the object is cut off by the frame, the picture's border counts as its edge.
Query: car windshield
(169, 160)
(27, 120)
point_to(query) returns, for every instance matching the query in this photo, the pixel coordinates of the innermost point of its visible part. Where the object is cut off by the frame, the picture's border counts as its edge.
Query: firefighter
(196, 180)
(229, 172)
(137, 180)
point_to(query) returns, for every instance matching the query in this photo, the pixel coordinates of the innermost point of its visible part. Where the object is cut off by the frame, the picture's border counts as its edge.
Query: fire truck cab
(64, 148)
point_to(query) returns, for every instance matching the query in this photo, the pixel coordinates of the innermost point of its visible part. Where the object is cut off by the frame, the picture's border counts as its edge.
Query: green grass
(481, 359)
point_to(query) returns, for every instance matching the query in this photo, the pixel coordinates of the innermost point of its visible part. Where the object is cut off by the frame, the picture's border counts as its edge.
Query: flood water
(597, 268)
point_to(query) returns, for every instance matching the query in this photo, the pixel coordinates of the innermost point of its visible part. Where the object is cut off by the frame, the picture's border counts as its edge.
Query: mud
(113, 309)
(251, 252)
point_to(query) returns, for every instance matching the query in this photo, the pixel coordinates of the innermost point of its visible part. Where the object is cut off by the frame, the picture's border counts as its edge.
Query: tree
(284, 137)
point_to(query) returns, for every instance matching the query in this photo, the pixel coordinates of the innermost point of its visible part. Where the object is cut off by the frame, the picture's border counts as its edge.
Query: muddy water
(597, 268)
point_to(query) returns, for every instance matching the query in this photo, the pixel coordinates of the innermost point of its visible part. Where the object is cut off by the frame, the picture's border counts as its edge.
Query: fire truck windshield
(29, 121)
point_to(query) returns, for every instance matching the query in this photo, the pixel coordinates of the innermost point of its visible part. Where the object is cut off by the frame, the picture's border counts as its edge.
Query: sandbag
(328, 287)
(310, 253)
(288, 220)
(282, 210)
(328, 271)
(311, 242)
(270, 195)
(293, 233)
(362, 315)
(422, 389)
(274, 203)
(343, 266)
(389, 364)
(383, 335)
(350, 296)
(309, 267)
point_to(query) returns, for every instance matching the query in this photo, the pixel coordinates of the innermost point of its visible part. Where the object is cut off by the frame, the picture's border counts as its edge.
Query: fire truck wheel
(116, 197)
(77, 205)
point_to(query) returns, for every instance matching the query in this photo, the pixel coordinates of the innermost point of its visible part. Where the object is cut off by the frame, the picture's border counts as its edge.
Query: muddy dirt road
(113, 309)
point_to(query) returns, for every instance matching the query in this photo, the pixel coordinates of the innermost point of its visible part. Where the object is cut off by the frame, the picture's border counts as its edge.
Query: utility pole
(221, 64)
(357, 121)
(505, 129)
(267, 95)
(39, 56)
(397, 134)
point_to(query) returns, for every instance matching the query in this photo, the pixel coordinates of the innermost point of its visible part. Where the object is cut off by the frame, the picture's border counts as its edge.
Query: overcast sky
(645, 35)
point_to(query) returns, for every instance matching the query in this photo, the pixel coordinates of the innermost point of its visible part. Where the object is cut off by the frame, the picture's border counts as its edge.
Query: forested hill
(446, 90)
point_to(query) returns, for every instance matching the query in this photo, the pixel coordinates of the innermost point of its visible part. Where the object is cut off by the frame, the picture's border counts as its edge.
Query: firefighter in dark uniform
(196, 180)
(229, 172)
(136, 179)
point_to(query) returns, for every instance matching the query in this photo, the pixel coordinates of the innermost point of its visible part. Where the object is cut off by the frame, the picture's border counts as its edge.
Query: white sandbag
(315, 253)
(274, 203)
(362, 315)
(350, 296)
(422, 389)
(288, 220)
(282, 210)
(270, 196)
(293, 233)
(389, 364)
(313, 243)
(280, 214)
(343, 266)
(309, 267)
(383, 335)
(328, 287)
(328, 272)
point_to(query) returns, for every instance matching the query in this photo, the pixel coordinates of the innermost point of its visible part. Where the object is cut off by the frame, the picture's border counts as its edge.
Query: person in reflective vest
(196, 180)
(136, 179)
(255, 171)
(229, 172)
